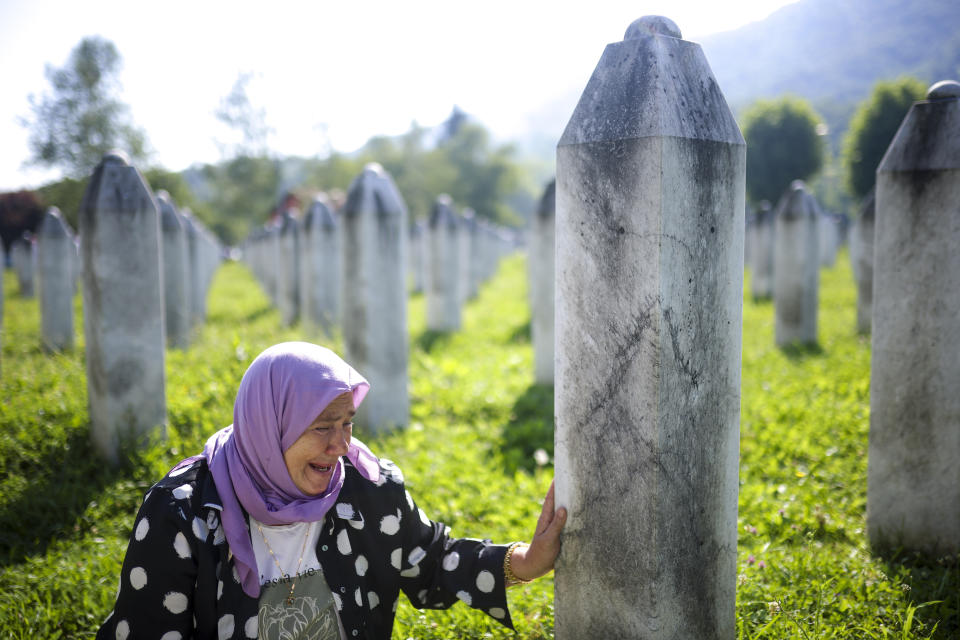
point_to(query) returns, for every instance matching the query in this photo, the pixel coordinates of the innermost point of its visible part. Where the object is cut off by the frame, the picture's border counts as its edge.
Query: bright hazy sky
(324, 70)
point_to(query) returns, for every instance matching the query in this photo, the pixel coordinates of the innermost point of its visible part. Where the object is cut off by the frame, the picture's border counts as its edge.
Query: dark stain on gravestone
(123, 375)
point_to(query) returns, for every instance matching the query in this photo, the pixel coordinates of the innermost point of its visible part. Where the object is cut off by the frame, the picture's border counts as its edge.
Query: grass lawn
(805, 568)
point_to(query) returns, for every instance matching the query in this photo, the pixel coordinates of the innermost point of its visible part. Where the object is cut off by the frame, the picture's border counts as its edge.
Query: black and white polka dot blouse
(178, 579)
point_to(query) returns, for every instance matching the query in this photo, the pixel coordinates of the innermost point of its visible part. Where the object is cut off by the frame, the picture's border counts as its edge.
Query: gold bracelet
(508, 574)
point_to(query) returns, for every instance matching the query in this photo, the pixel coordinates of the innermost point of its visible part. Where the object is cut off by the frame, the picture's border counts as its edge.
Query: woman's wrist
(514, 565)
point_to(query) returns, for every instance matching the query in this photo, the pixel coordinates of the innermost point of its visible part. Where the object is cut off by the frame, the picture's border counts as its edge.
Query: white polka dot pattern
(395, 557)
(343, 543)
(183, 492)
(416, 555)
(225, 627)
(466, 597)
(498, 613)
(138, 578)
(390, 525)
(423, 517)
(175, 602)
(200, 529)
(337, 601)
(373, 598)
(485, 581)
(250, 628)
(141, 531)
(451, 561)
(410, 500)
(361, 565)
(357, 597)
(181, 546)
(412, 572)
(123, 630)
(172, 635)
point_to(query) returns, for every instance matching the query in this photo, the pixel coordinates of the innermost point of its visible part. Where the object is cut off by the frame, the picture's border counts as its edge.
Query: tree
(783, 145)
(872, 128)
(81, 119)
(238, 113)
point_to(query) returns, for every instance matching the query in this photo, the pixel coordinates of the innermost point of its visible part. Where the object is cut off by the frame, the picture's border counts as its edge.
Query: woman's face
(311, 459)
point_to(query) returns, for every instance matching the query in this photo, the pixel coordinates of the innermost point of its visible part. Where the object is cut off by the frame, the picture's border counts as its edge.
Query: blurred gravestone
(23, 253)
(374, 296)
(56, 257)
(761, 253)
(650, 204)
(542, 239)
(796, 270)
(417, 256)
(320, 260)
(288, 269)
(913, 478)
(469, 256)
(829, 238)
(176, 275)
(861, 257)
(443, 274)
(122, 307)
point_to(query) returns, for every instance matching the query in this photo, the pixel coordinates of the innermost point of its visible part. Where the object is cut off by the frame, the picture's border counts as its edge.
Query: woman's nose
(339, 442)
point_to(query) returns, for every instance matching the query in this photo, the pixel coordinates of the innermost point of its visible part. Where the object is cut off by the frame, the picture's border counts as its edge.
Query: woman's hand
(534, 560)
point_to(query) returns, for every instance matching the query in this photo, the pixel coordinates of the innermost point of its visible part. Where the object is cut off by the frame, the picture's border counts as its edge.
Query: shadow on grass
(61, 486)
(431, 338)
(799, 351)
(934, 589)
(530, 428)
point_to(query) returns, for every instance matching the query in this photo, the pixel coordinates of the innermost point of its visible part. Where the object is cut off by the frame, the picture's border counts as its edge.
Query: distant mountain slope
(832, 52)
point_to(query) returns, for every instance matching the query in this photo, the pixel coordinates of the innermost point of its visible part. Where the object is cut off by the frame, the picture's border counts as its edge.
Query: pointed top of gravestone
(116, 188)
(373, 191)
(169, 220)
(650, 87)
(796, 203)
(652, 26)
(319, 215)
(53, 225)
(926, 139)
(944, 90)
(116, 156)
(442, 212)
(548, 201)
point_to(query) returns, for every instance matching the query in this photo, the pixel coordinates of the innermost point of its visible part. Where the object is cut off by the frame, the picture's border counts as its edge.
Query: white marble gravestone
(374, 296)
(176, 273)
(650, 222)
(55, 257)
(913, 475)
(443, 274)
(542, 287)
(320, 262)
(122, 307)
(796, 270)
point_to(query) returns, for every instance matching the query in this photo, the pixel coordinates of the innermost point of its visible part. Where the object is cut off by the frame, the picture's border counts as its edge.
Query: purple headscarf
(281, 394)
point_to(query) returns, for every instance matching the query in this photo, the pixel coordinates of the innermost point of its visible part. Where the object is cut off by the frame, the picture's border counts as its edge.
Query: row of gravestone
(145, 269)
(49, 261)
(299, 262)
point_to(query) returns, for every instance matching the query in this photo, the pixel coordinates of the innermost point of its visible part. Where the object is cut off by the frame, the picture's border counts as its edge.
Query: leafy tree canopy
(783, 145)
(872, 128)
(81, 119)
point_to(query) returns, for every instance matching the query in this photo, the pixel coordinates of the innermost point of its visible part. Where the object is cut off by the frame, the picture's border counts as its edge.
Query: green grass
(805, 568)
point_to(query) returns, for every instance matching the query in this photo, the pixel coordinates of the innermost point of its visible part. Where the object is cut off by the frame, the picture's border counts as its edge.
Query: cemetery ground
(471, 459)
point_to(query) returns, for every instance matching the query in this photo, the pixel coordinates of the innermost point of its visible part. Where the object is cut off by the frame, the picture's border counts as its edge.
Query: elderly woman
(288, 527)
